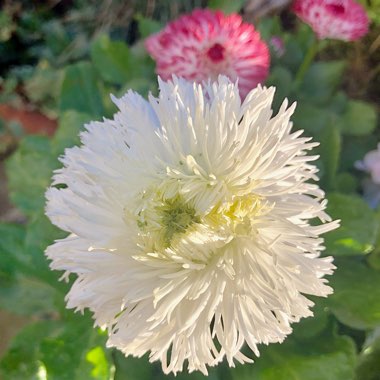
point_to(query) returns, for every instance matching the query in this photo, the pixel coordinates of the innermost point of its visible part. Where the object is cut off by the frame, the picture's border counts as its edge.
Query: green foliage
(66, 349)
(330, 140)
(148, 26)
(356, 298)
(81, 90)
(369, 364)
(359, 118)
(112, 59)
(29, 173)
(72, 77)
(320, 81)
(359, 226)
(226, 5)
(327, 357)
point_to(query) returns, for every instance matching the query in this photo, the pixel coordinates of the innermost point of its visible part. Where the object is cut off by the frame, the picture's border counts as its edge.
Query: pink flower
(206, 43)
(339, 19)
(371, 164)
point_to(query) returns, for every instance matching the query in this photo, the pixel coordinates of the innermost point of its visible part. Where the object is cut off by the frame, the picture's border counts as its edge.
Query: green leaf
(282, 79)
(148, 26)
(81, 91)
(99, 360)
(62, 349)
(112, 59)
(67, 135)
(313, 119)
(313, 326)
(356, 298)
(328, 357)
(354, 149)
(11, 246)
(40, 234)
(21, 361)
(65, 353)
(329, 150)
(359, 226)
(369, 364)
(227, 6)
(373, 258)
(359, 118)
(29, 172)
(268, 27)
(347, 183)
(24, 273)
(31, 167)
(320, 81)
(131, 368)
(29, 296)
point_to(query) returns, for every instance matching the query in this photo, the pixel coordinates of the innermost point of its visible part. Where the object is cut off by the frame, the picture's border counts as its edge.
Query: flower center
(216, 53)
(169, 222)
(176, 217)
(237, 216)
(161, 220)
(336, 9)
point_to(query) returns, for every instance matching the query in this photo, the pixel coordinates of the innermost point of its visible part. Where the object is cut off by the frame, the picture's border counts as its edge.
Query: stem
(311, 53)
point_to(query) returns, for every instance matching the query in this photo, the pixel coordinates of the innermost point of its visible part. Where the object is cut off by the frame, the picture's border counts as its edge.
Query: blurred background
(59, 61)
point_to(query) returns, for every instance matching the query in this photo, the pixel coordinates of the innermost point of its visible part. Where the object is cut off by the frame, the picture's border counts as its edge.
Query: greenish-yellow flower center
(163, 219)
(176, 217)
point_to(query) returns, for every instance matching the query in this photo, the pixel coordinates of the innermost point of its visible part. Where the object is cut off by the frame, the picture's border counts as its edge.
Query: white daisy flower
(192, 224)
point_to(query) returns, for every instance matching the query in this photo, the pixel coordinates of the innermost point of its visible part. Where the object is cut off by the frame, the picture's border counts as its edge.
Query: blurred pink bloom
(338, 19)
(371, 164)
(206, 43)
(278, 45)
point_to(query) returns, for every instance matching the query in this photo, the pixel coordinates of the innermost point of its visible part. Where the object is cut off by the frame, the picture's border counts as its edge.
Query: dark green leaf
(281, 78)
(346, 183)
(327, 357)
(359, 226)
(313, 119)
(321, 81)
(11, 248)
(311, 327)
(81, 91)
(131, 368)
(369, 360)
(329, 149)
(356, 298)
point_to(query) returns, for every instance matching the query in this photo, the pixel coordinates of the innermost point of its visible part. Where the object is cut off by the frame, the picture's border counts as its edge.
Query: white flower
(190, 224)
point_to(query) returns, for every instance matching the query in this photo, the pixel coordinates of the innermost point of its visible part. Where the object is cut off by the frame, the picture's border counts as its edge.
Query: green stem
(310, 55)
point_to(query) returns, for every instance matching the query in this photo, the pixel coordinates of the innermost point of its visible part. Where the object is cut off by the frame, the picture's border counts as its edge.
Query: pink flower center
(216, 53)
(336, 9)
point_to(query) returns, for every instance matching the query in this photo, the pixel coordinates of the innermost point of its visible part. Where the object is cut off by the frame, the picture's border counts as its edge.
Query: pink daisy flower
(338, 19)
(206, 43)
